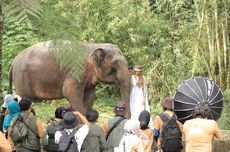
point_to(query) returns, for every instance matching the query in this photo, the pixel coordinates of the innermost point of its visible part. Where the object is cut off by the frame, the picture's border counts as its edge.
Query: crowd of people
(70, 131)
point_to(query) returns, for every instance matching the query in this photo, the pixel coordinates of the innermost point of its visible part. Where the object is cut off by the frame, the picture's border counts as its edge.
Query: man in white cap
(7, 99)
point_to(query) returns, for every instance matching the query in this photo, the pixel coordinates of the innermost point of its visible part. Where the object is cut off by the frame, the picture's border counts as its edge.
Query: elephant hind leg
(74, 94)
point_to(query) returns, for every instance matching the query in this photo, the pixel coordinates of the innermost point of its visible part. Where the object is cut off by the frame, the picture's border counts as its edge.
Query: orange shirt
(158, 124)
(199, 134)
(147, 137)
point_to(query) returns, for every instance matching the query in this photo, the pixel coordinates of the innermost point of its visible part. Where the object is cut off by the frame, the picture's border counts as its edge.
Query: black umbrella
(197, 90)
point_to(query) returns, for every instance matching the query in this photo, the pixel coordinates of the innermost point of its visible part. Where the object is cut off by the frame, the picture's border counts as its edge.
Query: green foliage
(23, 9)
(224, 121)
(16, 36)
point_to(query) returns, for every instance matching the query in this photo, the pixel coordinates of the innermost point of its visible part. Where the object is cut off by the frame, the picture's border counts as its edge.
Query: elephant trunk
(125, 93)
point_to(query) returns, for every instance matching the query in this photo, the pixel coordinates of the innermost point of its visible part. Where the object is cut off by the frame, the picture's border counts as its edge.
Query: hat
(13, 108)
(7, 99)
(144, 119)
(167, 103)
(25, 104)
(120, 108)
(69, 120)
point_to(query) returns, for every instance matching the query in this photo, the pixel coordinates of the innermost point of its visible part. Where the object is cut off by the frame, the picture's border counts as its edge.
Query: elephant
(36, 74)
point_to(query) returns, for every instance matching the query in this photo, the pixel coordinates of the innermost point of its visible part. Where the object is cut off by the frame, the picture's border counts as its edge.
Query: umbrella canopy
(197, 90)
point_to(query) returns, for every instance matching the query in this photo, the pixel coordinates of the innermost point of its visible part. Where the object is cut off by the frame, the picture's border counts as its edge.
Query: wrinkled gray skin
(36, 75)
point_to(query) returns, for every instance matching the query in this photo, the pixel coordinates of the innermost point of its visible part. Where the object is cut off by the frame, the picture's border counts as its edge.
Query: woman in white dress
(138, 94)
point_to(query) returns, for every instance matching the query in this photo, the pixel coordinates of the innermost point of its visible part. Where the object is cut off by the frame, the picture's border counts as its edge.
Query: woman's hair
(201, 110)
(140, 81)
(144, 119)
(167, 103)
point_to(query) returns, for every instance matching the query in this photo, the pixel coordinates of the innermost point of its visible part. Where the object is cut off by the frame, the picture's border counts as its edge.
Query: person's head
(120, 108)
(138, 72)
(132, 126)
(25, 104)
(13, 108)
(144, 119)
(92, 115)
(69, 121)
(167, 103)
(130, 69)
(7, 99)
(201, 110)
(59, 113)
(137, 69)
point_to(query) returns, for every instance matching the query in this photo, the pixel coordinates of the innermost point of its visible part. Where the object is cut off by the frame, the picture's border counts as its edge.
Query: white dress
(137, 98)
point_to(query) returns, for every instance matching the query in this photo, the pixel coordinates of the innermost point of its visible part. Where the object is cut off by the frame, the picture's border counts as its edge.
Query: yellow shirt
(199, 134)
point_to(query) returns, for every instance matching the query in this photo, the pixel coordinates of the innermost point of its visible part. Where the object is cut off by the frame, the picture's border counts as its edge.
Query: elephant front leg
(89, 97)
(73, 92)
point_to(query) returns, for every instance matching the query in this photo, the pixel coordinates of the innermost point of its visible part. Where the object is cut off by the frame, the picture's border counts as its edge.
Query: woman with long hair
(138, 94)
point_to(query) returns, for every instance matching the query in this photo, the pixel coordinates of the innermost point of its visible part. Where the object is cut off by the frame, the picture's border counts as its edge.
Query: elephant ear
(98, 55)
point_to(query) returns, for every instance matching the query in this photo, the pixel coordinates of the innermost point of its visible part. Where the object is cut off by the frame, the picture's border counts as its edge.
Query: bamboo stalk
(200, 18)
(218, 44)
(211, 51)
(224, 45)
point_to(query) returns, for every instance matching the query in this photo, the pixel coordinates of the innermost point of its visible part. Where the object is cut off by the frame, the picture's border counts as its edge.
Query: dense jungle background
(172, 40)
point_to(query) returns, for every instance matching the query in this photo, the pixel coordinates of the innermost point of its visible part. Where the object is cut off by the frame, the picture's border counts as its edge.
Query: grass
(45, 110)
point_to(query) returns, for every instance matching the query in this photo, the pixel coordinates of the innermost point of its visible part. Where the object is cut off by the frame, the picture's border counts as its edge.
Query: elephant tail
(10, 76)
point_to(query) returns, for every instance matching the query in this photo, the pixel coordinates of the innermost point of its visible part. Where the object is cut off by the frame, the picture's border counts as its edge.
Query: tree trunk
(1, 33)
(227, 68)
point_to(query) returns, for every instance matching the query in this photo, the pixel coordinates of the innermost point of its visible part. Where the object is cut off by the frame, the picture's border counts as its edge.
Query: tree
(21, 10)
(1, 31)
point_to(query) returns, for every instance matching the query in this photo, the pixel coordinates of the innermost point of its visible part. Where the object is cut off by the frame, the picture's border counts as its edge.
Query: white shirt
(80, 135)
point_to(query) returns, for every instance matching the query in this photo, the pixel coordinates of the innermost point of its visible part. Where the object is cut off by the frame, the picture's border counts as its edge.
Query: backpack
(52, 128)
(67, 142)
(19, 130)
(171, 134)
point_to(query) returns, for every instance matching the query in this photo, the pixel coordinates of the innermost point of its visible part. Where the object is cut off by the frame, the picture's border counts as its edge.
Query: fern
(70, 54)
(22, 9)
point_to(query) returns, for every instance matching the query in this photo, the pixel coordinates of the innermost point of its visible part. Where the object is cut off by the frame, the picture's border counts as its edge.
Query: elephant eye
(112, 71)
